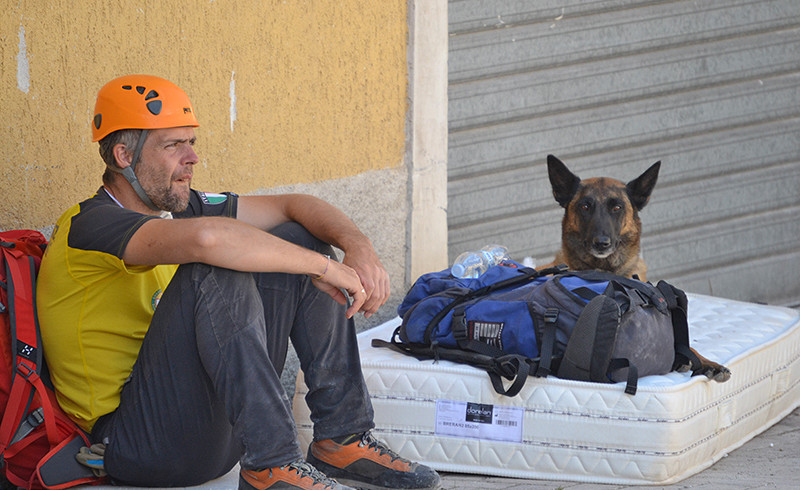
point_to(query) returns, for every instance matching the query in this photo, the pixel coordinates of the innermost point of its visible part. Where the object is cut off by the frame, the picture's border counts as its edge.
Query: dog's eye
(616, 208)
(585, 206)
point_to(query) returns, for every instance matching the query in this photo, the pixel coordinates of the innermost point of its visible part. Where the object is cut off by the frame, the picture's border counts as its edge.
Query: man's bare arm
(330, 225)
(237, 245)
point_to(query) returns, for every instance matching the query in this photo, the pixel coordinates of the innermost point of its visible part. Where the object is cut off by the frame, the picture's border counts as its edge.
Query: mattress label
(479, 421)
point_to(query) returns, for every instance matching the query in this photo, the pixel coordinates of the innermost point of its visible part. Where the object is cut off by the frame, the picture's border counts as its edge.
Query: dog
(601, 230)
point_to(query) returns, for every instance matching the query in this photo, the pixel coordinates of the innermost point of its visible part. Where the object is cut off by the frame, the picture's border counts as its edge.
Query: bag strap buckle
(459, 324)
(32, 421)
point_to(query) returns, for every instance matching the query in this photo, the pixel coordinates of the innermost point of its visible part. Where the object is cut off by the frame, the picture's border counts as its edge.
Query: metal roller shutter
(711, 88)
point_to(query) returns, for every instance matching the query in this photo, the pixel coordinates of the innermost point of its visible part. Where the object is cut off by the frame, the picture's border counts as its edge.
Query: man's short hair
(128, 137)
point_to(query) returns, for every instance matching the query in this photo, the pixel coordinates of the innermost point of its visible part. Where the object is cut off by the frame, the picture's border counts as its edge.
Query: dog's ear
(640, 188)
(565, 183)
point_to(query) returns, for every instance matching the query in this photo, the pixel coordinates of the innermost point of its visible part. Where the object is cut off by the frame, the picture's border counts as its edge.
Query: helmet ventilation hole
(154, 106)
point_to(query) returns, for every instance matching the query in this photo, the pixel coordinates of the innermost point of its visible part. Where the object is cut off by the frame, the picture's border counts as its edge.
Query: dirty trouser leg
(324, 340)
(203, 392)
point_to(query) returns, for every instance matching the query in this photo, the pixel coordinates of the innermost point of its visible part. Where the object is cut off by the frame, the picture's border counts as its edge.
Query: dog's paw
(683, 367)
(717, 373)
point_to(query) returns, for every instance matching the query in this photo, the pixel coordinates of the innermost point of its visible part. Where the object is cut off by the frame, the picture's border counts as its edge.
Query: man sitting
(166, 314)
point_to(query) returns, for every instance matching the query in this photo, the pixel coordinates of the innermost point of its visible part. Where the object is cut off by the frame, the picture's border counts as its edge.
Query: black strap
(645, 289)
(403, 349)
(685, 352)
(633, 373)
(462, 335)
(678, 305)
(585, 293)
(578, 354)
(437, 318)
(512, 367)
(548, 343)
(527, 275)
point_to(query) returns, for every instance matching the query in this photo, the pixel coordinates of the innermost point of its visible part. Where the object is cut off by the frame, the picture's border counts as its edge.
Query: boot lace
(368, 440)
(304, 469)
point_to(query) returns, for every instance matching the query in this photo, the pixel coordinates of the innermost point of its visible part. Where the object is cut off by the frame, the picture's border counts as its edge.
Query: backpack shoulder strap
(589, 352)
(585, 355)
(25, 350)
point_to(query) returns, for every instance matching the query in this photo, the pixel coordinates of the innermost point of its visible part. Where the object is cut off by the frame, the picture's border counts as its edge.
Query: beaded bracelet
(327, 264)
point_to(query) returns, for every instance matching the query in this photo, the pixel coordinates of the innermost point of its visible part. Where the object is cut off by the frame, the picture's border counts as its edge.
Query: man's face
(166, 165)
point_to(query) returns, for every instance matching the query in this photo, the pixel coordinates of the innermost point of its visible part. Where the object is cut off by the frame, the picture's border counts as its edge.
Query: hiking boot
(364, 462)
(298, 474)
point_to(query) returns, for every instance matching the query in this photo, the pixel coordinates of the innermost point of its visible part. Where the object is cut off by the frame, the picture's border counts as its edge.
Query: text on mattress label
(479, 421)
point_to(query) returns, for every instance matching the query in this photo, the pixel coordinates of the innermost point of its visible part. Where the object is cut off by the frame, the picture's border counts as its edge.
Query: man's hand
(374, 278)
(340, 277)
(330, 225)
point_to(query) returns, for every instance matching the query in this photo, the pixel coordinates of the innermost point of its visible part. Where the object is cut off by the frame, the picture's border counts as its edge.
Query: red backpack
(38, 442)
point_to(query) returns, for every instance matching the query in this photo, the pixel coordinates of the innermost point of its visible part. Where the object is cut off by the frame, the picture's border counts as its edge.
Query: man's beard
(163, 198)
(168, 201)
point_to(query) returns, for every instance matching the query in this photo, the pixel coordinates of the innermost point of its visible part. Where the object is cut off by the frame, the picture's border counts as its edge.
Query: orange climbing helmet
(140, 102)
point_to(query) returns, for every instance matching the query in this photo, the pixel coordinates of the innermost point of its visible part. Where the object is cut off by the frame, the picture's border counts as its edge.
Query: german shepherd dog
(601, 226)
(601, 230)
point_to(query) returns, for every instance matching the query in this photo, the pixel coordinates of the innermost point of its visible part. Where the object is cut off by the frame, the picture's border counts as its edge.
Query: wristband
(327, 264)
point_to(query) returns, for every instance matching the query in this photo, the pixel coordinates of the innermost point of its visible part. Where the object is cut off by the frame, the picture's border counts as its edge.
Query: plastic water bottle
(470, 265)
(495, 254)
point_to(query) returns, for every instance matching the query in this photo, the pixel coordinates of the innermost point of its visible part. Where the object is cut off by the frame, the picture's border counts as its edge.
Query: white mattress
(674, 427)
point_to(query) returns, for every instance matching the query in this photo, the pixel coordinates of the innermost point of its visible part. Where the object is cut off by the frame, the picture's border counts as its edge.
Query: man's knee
(198, 273)
(216, 289)
(295, 233)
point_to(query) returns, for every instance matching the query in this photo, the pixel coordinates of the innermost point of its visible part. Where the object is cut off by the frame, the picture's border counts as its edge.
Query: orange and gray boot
(298, 475)
(362, 461)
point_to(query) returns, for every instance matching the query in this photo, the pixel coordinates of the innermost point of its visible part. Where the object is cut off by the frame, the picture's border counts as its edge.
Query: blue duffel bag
(515, 321)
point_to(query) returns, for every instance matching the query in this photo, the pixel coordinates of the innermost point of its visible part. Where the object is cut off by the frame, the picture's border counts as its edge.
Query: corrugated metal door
(711, 88)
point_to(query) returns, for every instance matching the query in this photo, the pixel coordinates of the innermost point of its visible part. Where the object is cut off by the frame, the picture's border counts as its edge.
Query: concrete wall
(311, 96)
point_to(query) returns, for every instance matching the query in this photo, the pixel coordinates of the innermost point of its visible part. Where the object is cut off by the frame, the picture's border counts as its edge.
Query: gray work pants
(205, 391)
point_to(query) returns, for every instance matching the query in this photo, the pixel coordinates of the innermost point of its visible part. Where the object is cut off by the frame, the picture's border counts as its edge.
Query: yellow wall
(320, 90)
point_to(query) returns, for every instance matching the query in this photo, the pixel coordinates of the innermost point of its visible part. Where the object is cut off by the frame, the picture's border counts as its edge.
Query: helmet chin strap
(130, 176)
(137, 187)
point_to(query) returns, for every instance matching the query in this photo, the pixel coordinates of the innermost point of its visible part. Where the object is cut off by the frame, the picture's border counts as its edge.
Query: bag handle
(649, 292)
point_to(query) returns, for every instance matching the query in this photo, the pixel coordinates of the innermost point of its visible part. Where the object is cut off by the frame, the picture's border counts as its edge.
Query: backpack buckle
(24, 370)
(551, 315)
(459, 324)
(31, 422)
